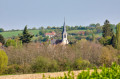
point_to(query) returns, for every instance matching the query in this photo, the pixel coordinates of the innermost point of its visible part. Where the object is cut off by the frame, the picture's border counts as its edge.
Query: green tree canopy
(3, 61)
(26, 36)
(2, 39)
(118, 36)
(1, 30)
(107, 30)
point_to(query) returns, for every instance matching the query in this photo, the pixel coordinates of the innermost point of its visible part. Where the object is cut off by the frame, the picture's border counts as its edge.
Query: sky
(15, 14)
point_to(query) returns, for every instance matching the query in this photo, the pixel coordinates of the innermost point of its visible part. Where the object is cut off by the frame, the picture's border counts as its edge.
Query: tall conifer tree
(118, 36)
(107, 30)
(26, 37)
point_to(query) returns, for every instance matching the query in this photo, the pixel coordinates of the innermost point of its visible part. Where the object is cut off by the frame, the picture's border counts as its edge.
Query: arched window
(64, 36)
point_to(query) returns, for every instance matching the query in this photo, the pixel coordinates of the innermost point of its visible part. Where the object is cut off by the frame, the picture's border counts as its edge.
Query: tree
(93, 37)
(107, 30)
(45, 39)
(105, 41)
(113, 40)
(92, 25)
(2, 40)
(34, 28)
(10, 42)
(97, 25)
(26, 36)
(42, 32)
(118, 36)
(1, 30)
(48, 27)
(3, 61)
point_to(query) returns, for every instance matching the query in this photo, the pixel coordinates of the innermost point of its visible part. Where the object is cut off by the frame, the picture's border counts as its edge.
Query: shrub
(2, 40)
(42, 64)
(3, 61)
(15, 43)
(10, 42)
(108, 55)
(81, 64)
(105, 41)
(105, 73)
(12, 69)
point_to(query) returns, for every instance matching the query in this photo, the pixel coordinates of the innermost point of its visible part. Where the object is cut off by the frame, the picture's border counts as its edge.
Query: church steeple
(64, 34)
(64, 26)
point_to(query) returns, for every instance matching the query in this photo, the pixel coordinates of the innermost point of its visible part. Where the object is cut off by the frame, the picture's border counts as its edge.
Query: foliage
(93, 37)
(103, 73)
(2, 40)
(107, 30)
(81, 64)
(113, 41)
(105, 41)
(26, 37)
(41, 57)
(42, 64)
(3, 61)
(106, 73)
(42, 32)
(1, 30)
(15, 43)
(12, 69)
(10, 42)
(45, 39)
(118, 36)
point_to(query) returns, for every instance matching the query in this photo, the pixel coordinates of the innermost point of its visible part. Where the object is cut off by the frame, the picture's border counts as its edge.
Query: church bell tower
(64, 34)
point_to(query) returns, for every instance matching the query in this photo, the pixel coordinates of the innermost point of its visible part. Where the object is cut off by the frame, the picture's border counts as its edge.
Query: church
(64, 35)
(64, 40)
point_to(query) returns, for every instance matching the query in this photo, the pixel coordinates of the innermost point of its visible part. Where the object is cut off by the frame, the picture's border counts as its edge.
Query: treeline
(36, 57)
(24, 56)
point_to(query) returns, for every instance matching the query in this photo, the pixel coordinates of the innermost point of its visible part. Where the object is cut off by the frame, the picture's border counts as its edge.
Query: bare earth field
(38, 76)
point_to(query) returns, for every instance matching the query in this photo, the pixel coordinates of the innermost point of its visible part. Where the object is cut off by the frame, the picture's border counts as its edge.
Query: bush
(15, 68)
(42, 64)
(12, 69)
(15, 43)
(105, 41)
(105, 73)
(2, 40)
(3, 61)
(81, 64)
(10, 42)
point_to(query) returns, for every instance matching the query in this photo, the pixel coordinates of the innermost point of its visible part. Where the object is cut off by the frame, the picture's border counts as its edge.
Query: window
(64, 36)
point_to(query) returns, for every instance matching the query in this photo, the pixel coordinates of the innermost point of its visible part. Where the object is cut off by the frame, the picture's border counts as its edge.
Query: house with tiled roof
(50, 34)
(81, 32)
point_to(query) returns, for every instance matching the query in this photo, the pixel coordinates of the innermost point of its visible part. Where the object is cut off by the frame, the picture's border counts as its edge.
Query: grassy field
(8, 34)
(75, 31)
(15, 33)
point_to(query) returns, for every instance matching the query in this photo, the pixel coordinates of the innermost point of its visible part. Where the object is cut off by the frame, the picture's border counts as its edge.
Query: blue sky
(15, 14)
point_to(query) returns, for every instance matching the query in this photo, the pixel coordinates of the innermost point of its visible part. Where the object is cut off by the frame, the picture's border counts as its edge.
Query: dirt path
(37, 76)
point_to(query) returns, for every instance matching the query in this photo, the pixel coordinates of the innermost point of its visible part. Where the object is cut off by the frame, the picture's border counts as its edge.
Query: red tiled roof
(53, 33)
(81, 32)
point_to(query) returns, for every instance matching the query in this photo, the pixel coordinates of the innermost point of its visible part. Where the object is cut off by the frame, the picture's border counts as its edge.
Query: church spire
(64, 34)
(64, 26)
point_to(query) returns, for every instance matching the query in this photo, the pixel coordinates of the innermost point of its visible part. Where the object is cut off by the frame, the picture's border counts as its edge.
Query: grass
(75, 31)
(8, 34)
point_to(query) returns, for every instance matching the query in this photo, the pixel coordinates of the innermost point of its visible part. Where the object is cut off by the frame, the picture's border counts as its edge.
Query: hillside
(8, 34)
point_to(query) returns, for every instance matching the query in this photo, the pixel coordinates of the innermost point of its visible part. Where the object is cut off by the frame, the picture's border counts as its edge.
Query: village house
(81, 33)
(50, 34)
